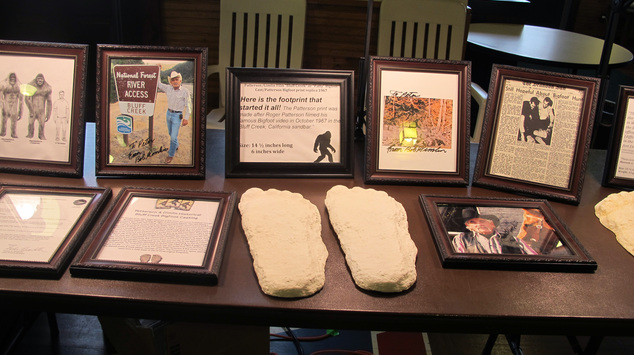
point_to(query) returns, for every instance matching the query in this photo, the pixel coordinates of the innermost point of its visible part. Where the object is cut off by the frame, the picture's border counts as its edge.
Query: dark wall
(84, 22)
(548, 13)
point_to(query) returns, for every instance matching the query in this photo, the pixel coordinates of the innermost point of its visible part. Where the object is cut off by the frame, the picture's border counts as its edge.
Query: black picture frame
(617, 172)
(67, 214)
(128, 142)
(542, 159)
(44, 129)
(122, 248)
(278, 118)
(417, 126)
(527, 234)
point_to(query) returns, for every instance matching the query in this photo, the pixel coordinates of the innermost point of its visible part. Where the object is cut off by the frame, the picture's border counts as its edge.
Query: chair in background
(432, 29)
(263, 34)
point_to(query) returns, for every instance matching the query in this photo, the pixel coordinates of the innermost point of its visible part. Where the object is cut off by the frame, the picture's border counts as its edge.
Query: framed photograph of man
(42, 91)
(417, 126)
(536, 133)
(151, 111)
(43, 226)
(159, 235)
(289, 122)
(619, 166)
(496, 233)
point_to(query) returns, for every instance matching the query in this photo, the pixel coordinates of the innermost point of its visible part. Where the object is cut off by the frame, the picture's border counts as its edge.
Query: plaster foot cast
(283, 230)
(373, 232)
(616, 212)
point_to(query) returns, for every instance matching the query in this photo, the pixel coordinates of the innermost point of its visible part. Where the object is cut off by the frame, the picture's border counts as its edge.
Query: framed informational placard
(160, 235)
(495, 233)
(289, 122)
(417, 122)
(619, 166)
(536, 133)
(42, 227)
(42, 94)
(151, 111)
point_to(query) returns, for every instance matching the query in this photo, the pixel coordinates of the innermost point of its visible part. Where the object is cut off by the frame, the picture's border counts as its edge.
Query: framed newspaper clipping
(42, 96)
(536, 133)
(159, 235)
(619, 166)
(151, 111)
(417, 122)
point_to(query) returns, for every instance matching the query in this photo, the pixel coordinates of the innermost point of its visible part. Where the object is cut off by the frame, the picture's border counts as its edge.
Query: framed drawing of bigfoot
(42, 90)
(151, 111)
(417, 122)
(536, 133)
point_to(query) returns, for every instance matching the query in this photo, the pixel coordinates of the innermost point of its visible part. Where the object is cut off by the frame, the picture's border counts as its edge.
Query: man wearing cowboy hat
(178, 110)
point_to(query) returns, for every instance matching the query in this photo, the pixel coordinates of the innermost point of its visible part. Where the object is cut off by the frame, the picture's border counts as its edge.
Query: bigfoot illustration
(40, 105)
(11, 101)
(323, 142)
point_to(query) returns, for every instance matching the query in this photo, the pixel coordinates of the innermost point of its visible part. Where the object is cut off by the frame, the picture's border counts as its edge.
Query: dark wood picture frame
(410, 147)
(615, 174)
(284, 116)
(149, 255)
(126, 148)
(87, 203)
(526, 157)
(51, 78)
(529, 234)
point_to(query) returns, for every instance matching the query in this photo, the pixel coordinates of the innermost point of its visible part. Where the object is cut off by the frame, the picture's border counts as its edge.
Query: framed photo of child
(42, 90)
(151, 111)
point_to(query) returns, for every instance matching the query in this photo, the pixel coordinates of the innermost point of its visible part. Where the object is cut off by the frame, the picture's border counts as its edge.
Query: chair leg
(591, 348)
(488, 347)
(514, 343)
(52, 324)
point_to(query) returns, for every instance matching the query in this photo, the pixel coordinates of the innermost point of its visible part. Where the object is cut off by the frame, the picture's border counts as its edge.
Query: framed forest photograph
(417, 121)
(536, 133)
(42, 94)
(151, 111)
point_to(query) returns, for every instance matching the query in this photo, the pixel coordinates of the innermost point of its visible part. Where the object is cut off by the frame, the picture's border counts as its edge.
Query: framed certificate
(536, 133)
(42, 91)
(151, 111)
(160, 235)
(417, 122)
(289, 122)
(42, 227)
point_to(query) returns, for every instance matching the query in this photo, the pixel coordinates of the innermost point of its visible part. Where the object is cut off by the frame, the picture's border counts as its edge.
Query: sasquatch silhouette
(323, 143)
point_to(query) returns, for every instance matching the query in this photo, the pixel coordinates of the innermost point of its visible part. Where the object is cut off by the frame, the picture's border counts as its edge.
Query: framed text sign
(619, 167)
(188, 247)
(289, 122)
(43, 226)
